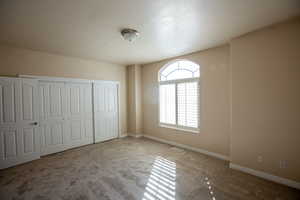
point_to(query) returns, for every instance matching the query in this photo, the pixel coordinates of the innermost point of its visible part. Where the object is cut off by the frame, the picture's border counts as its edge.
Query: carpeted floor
(134, 169)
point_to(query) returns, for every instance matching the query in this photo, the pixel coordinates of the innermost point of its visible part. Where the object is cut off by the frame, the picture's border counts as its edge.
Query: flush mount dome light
(129, 34)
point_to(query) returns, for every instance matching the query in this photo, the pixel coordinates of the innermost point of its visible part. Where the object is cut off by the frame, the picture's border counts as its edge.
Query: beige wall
(138, 91)
(214, 133)
(131, 109)
(20, 61)
(266, 99)
(134, 87)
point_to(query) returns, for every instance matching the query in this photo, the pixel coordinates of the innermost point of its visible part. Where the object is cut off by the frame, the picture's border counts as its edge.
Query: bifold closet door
(52, 105)
(19, 131)
(106, 110)
(79, 114)
(66, 115)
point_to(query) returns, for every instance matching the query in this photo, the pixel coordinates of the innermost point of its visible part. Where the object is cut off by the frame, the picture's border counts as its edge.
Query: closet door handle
(35, 123)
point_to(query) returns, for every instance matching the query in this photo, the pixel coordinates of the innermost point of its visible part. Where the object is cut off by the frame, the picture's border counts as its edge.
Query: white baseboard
(216, 155)
(123, 136)
(134, 135)
(267, 176)
(138, 136)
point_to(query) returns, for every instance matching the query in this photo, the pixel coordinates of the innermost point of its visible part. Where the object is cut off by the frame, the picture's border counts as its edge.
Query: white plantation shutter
(167, 104)
(187, 104)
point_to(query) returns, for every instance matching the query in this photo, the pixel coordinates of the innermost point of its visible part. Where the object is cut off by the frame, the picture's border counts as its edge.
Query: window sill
(180, 129)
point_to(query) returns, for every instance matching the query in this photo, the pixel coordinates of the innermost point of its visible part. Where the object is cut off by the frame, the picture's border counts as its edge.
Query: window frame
(176, 82)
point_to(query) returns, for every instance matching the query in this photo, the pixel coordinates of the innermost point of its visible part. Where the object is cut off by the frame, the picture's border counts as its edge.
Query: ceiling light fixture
(129, 34)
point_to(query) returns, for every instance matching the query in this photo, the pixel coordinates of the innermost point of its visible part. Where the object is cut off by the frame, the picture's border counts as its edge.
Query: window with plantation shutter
(179, 95)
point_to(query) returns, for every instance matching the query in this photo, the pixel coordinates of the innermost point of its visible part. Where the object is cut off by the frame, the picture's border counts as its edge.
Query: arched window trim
(176, 82)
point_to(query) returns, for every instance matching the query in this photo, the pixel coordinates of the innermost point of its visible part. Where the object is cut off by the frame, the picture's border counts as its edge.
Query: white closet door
(79, 114)
(52, 105)
(66, 115)
(106, 114)
(19, 132)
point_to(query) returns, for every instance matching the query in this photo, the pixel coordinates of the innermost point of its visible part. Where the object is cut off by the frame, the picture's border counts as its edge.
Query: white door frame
(54, 78)
(64, 79)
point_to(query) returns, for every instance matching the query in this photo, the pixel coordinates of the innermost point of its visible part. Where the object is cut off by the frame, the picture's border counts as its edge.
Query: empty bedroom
(150, 100)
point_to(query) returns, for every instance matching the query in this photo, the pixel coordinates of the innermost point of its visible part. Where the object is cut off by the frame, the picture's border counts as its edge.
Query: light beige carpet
(134, 169)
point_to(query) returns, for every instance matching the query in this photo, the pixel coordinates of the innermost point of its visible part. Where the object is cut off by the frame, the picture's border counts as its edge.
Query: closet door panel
(52, 97)
(28, 135)
(106, 110)
(79, 111)
(76, 131)
(9, 101)
(9, 143)
(19, 130)
(55, 97)
(87, 109)
(88, 129)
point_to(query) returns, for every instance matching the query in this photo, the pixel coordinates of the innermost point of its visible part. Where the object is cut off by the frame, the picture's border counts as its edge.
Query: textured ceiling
(90, 28)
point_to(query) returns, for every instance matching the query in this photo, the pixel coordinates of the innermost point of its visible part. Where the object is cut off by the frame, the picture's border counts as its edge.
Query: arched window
(179, 70)
(179, 95)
